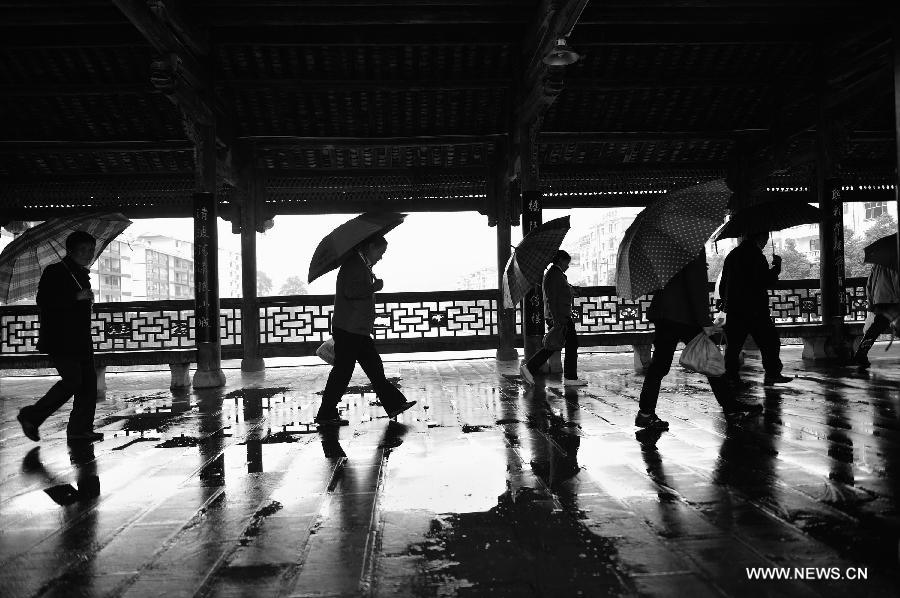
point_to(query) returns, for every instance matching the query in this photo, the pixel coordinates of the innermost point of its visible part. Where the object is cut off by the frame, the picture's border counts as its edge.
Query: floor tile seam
(109, 496)
(781, 437)
(367, 575)
(777, 480)
(205, 584)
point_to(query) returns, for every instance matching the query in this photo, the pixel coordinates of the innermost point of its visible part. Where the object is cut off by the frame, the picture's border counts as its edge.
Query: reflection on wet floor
(486, 488)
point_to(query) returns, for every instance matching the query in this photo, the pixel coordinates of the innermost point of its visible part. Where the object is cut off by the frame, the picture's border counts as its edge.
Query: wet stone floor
(485, 488)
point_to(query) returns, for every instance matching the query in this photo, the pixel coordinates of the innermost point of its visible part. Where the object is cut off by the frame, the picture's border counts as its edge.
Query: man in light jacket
(679, 312)
(883, 298)
(351, 327)
(558, 296)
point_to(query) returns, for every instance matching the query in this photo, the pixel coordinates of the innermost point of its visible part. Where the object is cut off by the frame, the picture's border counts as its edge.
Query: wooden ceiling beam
(112, 146)
(361, 15)
(373, 35)
(350, 85)
(280, 142)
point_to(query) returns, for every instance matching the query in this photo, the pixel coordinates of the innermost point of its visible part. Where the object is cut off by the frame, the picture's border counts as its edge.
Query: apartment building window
(874, 209)
(814, 244)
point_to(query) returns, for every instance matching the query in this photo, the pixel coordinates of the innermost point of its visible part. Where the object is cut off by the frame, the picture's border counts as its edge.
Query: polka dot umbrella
(667, 235)
(534, 252)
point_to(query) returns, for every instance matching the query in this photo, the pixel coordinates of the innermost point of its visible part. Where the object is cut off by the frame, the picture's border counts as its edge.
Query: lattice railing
(463, 318)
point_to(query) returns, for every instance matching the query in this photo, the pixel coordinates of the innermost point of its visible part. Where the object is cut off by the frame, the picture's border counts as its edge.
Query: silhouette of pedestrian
(558, 296)
(883, 298)
(351, 327)
(64, 297)
(744, 289)
(679, 312)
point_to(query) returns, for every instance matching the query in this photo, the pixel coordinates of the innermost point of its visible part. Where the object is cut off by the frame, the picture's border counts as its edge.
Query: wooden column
(896, 34)
(831, 230)
(252, 361)
(209, 372)
(532, 209)
(502, 202)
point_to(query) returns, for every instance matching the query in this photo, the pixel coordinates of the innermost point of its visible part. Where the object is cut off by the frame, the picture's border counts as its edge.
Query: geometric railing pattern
(413, 318)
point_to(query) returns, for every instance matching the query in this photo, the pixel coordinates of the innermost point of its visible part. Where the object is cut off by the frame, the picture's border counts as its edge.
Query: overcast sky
(427, 252)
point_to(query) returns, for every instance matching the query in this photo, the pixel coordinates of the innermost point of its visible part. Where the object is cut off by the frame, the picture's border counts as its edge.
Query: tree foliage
(294, 285)
(263, 283)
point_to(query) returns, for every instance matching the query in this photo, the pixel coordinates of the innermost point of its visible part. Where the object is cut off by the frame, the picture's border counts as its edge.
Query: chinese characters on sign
(205, 293)
(533, 303)
(833, 192)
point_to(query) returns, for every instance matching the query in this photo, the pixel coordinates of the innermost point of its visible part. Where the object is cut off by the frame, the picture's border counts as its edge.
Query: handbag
(555, 339)
(703, 356)
(325, 352)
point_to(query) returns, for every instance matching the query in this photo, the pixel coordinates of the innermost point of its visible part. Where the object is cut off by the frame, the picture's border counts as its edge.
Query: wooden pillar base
(209, 372)
(253, 364)
(209, 378)
(507, 354)
(181, 375)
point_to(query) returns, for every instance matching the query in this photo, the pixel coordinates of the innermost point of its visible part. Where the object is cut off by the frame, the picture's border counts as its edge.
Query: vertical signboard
(836, 211)
(533, 308)
(205, 288)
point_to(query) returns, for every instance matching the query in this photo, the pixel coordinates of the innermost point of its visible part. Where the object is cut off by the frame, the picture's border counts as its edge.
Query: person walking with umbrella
(679, 312)
(663, 252)
(883, 299)
(558, 296)
(64, 297)
(744, 289)
(354, 313)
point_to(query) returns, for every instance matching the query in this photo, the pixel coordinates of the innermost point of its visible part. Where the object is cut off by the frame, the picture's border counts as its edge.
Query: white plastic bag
(701, 355)
(325, 352)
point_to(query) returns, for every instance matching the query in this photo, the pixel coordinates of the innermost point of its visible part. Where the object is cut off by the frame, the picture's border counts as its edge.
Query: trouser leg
(389, 395)
(735, 333)
(664, 341)
(538, 359)
(70, 373)
(85, 404)
(766, 336)
(873, 330)
(570, 364)
(346, 347)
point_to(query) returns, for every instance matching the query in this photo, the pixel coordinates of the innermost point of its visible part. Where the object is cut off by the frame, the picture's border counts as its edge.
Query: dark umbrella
(526, 265)
(768, 217)
(334, 248)
(882, 252)
(667, 235)
(23, 260)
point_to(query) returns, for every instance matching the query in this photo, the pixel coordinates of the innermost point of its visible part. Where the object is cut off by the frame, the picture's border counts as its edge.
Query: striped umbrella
(337, 244)
(23, 260)
(667, 235)
(528, 260)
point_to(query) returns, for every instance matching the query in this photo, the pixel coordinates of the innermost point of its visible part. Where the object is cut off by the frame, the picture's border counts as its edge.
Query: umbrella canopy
(768, 217)
(667, 235)
(23, 260)
(525, 267)
(882, 252)
(337, 244)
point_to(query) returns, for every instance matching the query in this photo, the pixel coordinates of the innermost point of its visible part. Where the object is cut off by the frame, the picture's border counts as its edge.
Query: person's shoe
(776, 379)
(28, 428)
(574, 382)
(650, 421)
(397, 411)
(331, 422)
(527, 376)
(89, 436)
(743, 411)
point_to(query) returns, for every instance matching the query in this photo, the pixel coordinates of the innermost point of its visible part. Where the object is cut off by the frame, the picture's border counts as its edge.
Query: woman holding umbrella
(354, 314)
